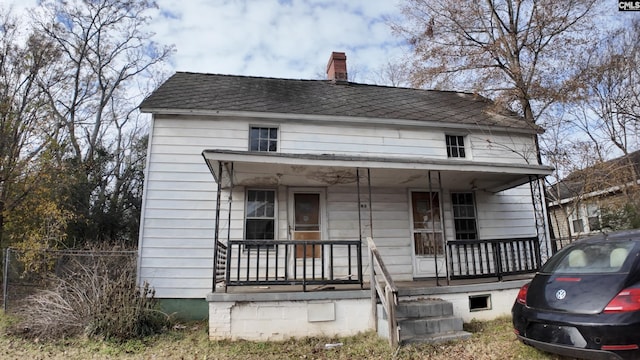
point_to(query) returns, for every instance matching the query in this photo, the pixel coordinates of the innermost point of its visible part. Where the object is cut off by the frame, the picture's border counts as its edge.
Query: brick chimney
(337, 68)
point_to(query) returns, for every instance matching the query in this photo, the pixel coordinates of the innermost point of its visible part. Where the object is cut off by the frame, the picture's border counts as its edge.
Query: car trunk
(574, 293)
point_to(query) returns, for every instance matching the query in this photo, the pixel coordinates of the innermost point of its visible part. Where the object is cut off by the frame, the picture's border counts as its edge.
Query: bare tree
(513, 51)
(392, 73)
(105, 51)
(606, 104)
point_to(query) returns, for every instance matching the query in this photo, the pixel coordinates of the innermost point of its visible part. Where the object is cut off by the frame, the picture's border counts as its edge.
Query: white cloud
(275, 38)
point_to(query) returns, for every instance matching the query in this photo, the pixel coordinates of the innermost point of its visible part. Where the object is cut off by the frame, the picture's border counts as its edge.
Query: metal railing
(219, 264)
(293, 262)
(493, 258)
(383, 288)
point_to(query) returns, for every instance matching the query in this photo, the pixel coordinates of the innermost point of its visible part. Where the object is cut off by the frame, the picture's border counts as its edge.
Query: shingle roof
(599, 177)
(211, 92)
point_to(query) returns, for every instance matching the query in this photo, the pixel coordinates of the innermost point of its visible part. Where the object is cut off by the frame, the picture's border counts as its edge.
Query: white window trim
(475, 209)
(267, 126)
(275, 210)
(466, 144)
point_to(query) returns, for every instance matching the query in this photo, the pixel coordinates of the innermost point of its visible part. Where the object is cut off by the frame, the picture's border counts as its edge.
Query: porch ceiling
(271, 169)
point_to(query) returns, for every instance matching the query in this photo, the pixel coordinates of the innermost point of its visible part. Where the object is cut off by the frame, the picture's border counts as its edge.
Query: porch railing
(383, 288)
(219, 264)
(293, 262)
(493, 258)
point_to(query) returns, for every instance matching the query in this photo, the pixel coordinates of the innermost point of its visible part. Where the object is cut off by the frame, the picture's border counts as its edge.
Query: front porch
(279, 312)
(333, 222)
(259, 302)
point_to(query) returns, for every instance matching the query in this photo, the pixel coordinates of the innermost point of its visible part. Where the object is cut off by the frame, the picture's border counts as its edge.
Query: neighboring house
(285, 183)
(590, 200)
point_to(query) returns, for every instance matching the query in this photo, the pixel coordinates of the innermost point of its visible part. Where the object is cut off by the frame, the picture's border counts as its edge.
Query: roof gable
(212, 92)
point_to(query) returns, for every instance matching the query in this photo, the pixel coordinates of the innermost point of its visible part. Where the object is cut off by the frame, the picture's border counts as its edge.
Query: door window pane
(427, 226)
(307, 217)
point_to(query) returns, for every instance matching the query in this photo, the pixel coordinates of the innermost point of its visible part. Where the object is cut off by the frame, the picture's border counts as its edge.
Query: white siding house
(595, 199)
(247, 168)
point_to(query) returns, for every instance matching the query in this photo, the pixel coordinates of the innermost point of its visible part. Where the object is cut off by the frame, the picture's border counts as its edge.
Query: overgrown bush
(622, 217)
(96, 296)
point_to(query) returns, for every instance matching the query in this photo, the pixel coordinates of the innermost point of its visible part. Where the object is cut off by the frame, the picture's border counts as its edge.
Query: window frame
(456, 219)
(269, 139)
(246, 218)
(581, 230)
(585, 216)
(593, 217)
(457, 147)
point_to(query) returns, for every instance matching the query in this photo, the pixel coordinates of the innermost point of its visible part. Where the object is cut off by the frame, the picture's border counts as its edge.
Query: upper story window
(455, 146)
(263, 138)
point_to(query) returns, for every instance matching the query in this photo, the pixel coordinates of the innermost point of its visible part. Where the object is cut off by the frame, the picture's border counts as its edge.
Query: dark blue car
(585, 301)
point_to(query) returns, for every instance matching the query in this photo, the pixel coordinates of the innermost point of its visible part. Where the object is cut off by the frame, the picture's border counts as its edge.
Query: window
(260, 215)
(592, 217)
(455, 146)
(464, 216)
(263, 139)
(577, 219)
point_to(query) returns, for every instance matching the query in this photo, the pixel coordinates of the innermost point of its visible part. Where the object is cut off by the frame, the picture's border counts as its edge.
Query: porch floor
(415, 287)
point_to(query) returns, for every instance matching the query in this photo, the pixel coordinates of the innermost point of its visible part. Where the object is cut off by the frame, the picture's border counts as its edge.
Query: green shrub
(621, 218)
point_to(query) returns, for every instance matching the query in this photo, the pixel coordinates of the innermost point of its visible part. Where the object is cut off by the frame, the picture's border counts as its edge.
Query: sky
(273, 38)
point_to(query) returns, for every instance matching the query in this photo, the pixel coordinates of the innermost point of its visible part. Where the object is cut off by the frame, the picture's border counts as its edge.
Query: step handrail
(388, 295)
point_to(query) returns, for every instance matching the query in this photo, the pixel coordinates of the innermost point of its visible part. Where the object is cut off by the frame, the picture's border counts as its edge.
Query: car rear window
(605, 257)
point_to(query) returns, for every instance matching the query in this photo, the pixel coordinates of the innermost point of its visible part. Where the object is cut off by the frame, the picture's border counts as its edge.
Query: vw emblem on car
(561, 294)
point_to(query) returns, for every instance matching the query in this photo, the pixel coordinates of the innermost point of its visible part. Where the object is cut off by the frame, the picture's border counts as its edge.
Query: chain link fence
(25, 272)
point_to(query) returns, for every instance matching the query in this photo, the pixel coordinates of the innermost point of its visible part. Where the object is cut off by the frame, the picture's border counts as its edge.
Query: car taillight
(626, 300)
(522, 294)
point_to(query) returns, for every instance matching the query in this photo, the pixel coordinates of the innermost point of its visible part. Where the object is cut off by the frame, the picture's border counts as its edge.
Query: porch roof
(271, 169)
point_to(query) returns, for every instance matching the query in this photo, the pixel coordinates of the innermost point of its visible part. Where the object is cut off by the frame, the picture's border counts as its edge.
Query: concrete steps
(428, 321)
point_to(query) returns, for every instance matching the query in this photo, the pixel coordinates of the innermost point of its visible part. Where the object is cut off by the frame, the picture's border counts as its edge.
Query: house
(283, 207)
(593, 199)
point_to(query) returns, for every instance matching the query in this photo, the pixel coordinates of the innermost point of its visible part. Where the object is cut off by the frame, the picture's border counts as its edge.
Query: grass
(490, 340)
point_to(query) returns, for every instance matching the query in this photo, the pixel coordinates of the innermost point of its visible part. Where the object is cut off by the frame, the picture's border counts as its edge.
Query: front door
(426, 231)
(306, 224)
